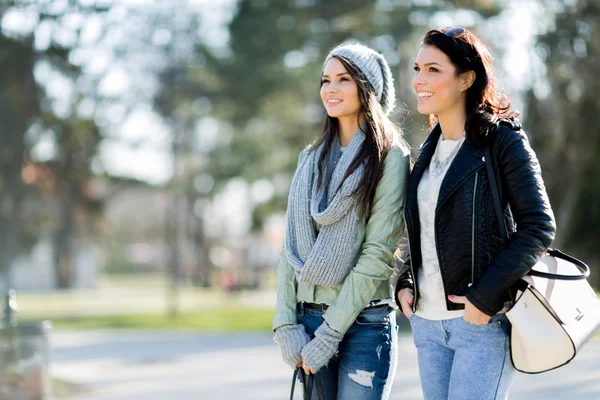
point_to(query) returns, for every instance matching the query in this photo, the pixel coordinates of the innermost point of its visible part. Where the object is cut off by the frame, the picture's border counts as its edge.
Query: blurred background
(148, 146)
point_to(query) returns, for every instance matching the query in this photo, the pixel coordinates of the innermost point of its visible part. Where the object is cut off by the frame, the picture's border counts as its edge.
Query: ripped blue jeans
(366, 363)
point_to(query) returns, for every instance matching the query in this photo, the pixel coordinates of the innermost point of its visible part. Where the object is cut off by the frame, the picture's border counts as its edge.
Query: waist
(324, 307)
(309, 293)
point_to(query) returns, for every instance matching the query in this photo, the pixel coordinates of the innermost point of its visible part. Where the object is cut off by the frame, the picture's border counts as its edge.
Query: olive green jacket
(376, 242)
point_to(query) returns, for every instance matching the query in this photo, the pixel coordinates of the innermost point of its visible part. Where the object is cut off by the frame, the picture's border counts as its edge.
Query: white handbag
(556, 310)
(555, 313)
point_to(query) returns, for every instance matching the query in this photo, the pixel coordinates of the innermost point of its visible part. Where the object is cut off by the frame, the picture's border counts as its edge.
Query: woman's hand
(472, 313)
(406, 297)
(307, 369)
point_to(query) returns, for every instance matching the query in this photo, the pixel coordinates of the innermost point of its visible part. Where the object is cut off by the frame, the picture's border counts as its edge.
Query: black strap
(294, 383)
(585, 270)
(495, 193)
(308, 383)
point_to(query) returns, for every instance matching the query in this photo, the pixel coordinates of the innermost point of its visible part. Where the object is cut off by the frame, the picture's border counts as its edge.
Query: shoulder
(508, 131)
(394, 174)
(303, 154)
(512, 144)
(508, 135)
(398, 157)
(395, 168)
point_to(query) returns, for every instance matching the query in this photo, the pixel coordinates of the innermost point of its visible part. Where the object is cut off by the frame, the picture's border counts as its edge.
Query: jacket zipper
(412, 272)
(473, 230)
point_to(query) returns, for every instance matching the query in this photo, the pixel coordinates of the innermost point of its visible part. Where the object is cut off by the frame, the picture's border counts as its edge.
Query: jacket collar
(468, 160)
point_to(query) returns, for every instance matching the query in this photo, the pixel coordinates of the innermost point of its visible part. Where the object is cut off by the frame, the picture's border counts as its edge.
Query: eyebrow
(431, 63)
(343, 73)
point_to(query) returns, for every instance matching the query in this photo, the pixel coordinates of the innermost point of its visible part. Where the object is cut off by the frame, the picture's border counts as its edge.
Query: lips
(424, 96)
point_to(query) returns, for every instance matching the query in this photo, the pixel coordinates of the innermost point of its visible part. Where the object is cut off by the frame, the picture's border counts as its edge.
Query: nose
(332, 87)
(418, 80)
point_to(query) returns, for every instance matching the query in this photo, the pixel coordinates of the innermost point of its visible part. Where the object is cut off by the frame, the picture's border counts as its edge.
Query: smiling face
(339, 92)
(439, 89)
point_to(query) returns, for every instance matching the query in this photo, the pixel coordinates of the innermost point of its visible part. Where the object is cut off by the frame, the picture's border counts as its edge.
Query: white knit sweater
(432, 301)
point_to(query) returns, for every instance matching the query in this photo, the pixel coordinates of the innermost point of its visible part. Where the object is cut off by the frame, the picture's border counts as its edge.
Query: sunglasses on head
(454, 32)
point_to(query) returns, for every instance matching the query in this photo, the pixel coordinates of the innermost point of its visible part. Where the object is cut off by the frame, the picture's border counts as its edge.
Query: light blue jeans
(365, 366)
(460, 360)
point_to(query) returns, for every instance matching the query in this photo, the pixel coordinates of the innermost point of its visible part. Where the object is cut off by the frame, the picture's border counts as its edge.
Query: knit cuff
(291, 340)
(322, 348)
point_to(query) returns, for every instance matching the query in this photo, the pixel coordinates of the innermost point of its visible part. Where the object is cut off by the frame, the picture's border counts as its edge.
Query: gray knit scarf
(325, 258)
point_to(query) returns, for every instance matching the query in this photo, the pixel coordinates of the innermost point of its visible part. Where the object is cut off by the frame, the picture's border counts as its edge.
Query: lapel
(468, 160)
(424, 156)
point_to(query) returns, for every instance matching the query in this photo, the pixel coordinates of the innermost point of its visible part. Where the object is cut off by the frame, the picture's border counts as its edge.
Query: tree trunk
(202, 276)
(63, 241)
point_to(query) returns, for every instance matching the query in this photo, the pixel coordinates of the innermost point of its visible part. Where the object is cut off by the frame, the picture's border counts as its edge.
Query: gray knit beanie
(374, 67)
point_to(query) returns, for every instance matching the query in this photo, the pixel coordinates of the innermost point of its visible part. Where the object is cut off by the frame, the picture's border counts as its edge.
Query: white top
(432, 300)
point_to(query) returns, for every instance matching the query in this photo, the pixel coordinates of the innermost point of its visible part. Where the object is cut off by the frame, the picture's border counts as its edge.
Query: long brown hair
(485, 104)
(380, 134)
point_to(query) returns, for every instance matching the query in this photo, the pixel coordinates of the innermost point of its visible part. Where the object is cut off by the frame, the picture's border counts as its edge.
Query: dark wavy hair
(380, 134)
(485, 104)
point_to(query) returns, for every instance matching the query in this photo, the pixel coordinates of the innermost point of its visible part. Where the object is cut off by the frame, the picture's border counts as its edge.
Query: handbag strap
(585, 270)
(495, 193)
(293, 383)
(308, 382)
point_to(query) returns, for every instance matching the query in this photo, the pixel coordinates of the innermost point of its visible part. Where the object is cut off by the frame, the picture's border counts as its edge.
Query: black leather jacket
(474, 260)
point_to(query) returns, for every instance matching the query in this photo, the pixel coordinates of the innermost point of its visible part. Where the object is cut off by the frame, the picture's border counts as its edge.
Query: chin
(335, 114)
(425, 109)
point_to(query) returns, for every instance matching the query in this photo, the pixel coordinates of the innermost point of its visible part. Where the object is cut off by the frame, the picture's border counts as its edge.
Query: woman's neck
(452, 124)
(347, 128)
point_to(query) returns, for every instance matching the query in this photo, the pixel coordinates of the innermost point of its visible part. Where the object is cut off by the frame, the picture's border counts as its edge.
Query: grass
(139, 294)
(62, 389)
(230, 319)
(143, 301)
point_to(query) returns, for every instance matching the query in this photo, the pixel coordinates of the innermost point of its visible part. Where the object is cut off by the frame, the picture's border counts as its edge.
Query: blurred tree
(30, 115)
(174, 102)
(77, 142)
(18, 106)
(562, 111)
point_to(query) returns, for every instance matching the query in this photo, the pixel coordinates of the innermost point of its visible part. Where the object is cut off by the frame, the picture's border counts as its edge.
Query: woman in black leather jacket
(457, 282)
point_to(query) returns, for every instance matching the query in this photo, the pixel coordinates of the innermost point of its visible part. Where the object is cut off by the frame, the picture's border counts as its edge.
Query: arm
(404, 293)
(404, 281)
(289, 335)
(383, 231)
(522, 182)
(285, 307)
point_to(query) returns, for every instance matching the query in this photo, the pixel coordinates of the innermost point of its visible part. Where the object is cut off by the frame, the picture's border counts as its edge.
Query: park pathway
(147, 365)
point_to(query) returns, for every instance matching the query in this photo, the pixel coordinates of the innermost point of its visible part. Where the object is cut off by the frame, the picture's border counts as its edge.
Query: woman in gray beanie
(335, 310)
